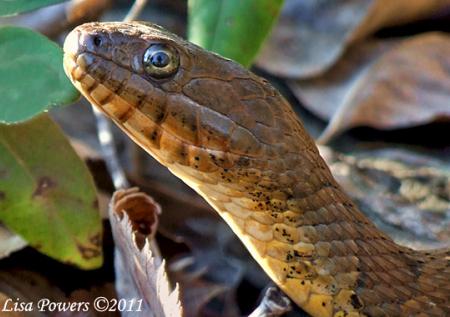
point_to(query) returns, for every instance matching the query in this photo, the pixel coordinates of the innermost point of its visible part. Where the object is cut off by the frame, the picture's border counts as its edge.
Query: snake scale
(233, 138)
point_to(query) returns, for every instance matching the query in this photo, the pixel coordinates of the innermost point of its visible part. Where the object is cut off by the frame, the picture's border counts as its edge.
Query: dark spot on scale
(324, 304)
(355, 301)
(159, 117)
(44, 184)
(243, 161)
(302, 282)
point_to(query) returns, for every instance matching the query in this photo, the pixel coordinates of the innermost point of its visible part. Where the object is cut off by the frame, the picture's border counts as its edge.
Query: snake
(233, 138)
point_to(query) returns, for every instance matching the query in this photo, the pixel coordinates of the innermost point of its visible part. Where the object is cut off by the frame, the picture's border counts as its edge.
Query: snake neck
(316, 244)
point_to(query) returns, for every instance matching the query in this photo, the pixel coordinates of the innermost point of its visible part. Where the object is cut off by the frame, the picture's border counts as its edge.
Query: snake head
(181, 103)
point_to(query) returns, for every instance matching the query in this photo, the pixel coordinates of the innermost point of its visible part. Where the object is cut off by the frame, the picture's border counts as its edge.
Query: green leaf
(233, 28)
(47, 194)
(32, 77)
(12, 7)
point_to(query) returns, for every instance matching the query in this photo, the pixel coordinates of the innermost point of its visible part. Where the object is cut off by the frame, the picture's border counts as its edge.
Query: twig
(109, 151)
(273, 304)
(135, 10)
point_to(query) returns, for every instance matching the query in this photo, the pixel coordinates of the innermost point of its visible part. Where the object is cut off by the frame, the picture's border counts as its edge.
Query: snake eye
(160, 61)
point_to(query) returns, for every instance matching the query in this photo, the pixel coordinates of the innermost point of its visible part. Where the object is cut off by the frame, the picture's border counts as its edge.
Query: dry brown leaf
(385, 85)
(140, 271)
(312, 35)
(406, 194)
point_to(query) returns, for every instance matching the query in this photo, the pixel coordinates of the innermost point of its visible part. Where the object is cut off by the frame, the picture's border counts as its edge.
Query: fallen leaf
(385, 85)
(47, 194)
(406, 194)
(312, 35)
(140, 271)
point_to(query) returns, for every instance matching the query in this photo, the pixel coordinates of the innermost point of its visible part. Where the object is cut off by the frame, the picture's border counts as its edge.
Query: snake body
(233, 138)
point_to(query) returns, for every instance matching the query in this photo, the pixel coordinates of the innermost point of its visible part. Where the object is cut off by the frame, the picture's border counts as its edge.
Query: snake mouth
(90, 73)
(103, 98)
(76, 63)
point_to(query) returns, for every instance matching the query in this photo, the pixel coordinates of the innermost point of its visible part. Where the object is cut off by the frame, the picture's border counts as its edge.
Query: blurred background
(369, 79)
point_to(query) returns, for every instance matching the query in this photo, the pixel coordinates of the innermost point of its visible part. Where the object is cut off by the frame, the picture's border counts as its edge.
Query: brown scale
(235, 139)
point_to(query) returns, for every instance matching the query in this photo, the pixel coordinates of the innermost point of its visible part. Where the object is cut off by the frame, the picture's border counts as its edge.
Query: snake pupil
(160, 59)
